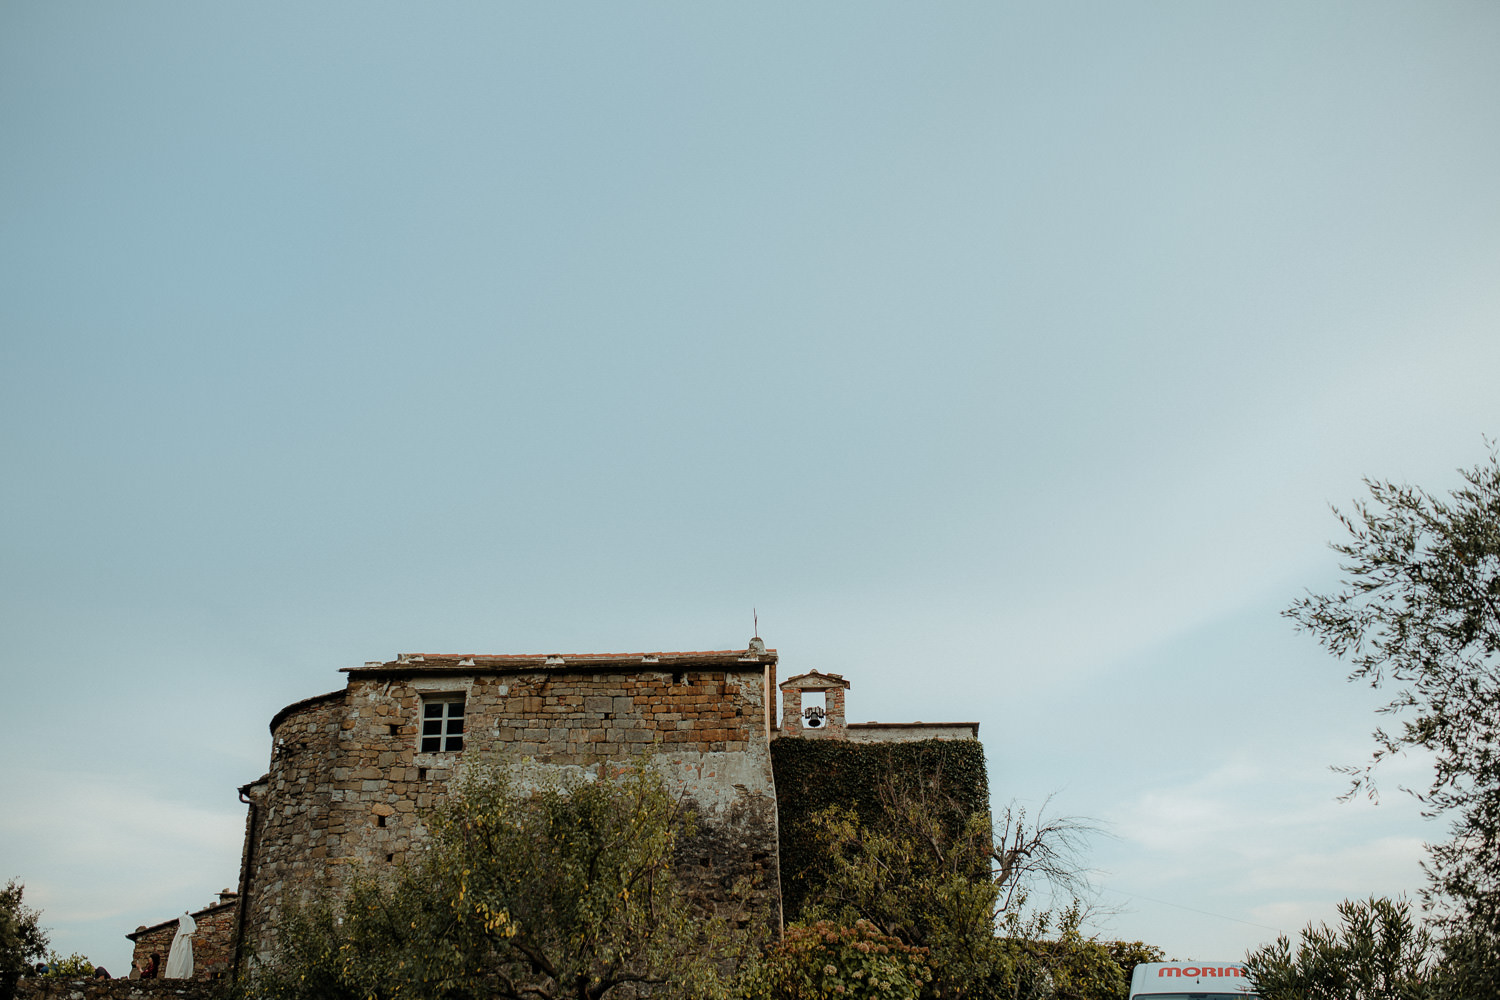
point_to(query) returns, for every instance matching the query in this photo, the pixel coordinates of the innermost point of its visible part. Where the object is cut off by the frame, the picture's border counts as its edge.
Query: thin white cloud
(1384, 865)
(98, 849)
(1257, 842)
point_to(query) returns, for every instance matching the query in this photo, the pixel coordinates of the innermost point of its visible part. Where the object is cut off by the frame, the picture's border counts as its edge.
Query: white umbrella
(180, 958)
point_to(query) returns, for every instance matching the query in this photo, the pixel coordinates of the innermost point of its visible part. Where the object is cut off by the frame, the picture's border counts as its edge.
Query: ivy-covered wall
(813, 774)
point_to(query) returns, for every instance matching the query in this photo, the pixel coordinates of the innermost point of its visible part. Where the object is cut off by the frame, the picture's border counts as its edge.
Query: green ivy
(813, 774)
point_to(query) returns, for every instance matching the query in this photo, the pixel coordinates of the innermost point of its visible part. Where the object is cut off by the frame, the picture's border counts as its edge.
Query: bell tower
(812, 704)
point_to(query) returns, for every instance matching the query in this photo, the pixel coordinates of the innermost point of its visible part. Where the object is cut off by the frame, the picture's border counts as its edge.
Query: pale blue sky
(1006, 357)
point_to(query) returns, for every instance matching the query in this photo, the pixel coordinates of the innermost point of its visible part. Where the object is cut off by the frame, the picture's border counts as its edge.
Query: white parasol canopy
(180, 958)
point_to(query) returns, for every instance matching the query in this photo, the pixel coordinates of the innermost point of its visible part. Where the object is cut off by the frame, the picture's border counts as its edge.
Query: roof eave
(633, 663)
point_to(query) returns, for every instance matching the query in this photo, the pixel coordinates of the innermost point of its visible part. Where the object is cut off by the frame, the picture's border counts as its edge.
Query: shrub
(825, 961)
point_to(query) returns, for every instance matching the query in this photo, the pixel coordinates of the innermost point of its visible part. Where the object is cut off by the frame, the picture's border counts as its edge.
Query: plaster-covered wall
(906, 732)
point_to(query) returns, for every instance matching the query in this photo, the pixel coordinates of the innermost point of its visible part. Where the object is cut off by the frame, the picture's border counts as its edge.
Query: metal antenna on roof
(757, 645)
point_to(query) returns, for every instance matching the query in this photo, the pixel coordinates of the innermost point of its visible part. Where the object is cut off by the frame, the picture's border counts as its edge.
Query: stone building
(213, 938)
(352, 771)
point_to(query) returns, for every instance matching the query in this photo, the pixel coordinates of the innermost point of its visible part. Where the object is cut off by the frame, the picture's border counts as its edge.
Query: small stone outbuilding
(213, 939)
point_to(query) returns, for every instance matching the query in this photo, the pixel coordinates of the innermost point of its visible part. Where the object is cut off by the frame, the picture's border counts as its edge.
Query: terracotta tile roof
(463, 661)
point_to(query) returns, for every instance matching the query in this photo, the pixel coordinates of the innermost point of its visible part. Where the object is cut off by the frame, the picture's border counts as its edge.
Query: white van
(1190, 981)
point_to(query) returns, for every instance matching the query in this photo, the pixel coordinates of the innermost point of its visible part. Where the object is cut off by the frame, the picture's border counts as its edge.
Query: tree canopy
(1418, 614)
(562, 890)
(940, 877)
(22, 939)
(1379, 951)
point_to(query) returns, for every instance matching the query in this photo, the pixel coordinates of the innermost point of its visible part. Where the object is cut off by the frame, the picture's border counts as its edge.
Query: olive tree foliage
(1379, 951)
(1418, 613)
(566, 890)
(1471, 963)
(961, 886)
(22, 940)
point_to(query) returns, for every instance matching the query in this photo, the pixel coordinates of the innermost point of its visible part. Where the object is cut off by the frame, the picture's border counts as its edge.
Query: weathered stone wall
(294, 836)
(157, 941)
(213, 941)
(58, 988)
(348, 784)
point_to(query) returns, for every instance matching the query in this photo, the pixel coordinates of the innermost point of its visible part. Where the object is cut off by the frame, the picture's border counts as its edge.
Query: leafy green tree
(1046, 956)
(935, 875)
(917, 880)
(1378, 952)
(827, 961)
(566, 890)
(22, 940)
(1128, 954)
(1419, 613)
(1070, 967)
(1471, 964)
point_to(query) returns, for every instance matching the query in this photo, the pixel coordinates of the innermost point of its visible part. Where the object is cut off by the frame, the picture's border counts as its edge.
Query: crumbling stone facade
(353, 771)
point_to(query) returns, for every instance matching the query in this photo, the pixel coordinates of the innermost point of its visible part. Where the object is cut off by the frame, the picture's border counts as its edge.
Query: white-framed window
(442, 723)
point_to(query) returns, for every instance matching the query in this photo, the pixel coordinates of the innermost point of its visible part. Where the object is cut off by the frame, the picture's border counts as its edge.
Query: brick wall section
(566, 718)
(50, 988)
(348, 784)
(836, 727)
(213, 941)
(791, 712)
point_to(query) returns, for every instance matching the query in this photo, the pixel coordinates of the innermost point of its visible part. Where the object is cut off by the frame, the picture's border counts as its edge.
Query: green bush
(1379, 951)
(825, 961)
(566, 890)
(75, 966)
